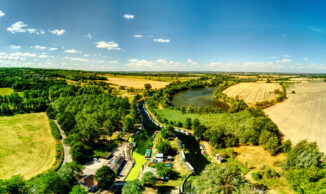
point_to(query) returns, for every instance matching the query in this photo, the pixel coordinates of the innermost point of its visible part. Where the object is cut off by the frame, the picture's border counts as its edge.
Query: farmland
(302, 115)
(253, 92)
(137, 83)
(27, 146)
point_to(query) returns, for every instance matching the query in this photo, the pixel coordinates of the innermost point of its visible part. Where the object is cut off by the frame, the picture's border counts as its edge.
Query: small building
(180, 144)
(159, 157)
(170, 158)
(190, 167)
(183, 156)
(220, 159)
(148, 154)
(89, 182)
(117, 163)
(168, 164)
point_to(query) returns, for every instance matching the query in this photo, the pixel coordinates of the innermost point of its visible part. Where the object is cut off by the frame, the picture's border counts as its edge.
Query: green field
(231, 121)
(6, 91)
(27, 146)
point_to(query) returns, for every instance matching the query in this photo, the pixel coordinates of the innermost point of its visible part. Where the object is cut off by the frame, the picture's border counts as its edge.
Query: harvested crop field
(253, 92)
(302, 115)
(134, 82)
(27, 146)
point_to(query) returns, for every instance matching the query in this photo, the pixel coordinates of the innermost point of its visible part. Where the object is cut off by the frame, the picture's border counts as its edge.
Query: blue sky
(164, 35)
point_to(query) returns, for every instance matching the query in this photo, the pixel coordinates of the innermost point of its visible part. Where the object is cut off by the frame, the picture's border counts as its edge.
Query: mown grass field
(231, 121)
(27, 146)
(139, 161)
(6, 91)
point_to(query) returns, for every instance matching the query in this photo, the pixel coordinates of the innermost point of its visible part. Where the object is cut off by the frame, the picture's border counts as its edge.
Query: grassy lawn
(6, 91)
(142, 139)
(231, 121)
(27, 146)
(139, 161)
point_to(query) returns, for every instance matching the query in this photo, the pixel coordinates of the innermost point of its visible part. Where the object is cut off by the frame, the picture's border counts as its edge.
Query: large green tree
(133, 187)
(105, 176)
(218, 179)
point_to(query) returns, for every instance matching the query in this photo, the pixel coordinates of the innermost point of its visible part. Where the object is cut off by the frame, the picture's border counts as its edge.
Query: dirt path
(209, 151)
(66, 148)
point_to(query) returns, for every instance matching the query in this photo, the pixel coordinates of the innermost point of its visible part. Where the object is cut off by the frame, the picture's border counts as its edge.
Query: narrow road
(66, 148)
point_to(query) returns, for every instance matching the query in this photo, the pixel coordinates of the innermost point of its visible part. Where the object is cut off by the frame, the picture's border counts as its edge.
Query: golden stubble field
(303, 114)
(27, 146)
(134, 82)
(253, 92)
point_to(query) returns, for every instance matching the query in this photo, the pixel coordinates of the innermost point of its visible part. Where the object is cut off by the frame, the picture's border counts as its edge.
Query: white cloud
(140, 63)
(72, 51)
(306, 58)
(89, 36)
(286, 56)
(53, 49)
(57, 32)
(192, 62)
(157, 65)
(39, 47)
(284, 61)
(15, 47)
(107, 45)
(2, 13)
(138, 36)
(43, 56)
(20, 27)
(129, 16)
(317, 30)
(113, 62)
(17, 27)
(77, 59)
(161, 40)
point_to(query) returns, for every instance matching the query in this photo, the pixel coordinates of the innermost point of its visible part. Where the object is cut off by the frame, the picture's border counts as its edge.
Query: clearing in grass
(6, 91)
(255, 158)
(27, 145)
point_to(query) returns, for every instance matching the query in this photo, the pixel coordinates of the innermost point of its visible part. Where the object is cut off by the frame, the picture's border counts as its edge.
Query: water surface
(198, 97)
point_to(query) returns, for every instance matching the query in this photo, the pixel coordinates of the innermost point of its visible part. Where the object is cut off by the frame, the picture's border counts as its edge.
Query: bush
(272, 146)
(133, 187)
(55, 130)
(256, 175)
(148, 179)
(163, 146)
(286, 146)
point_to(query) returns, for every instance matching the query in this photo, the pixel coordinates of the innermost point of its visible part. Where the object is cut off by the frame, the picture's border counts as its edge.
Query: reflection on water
(198, 97)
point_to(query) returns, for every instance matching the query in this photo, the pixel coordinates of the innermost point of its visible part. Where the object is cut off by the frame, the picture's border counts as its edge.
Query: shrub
(55, 130)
